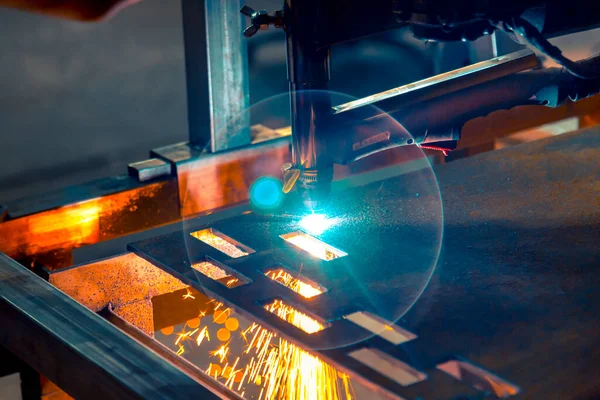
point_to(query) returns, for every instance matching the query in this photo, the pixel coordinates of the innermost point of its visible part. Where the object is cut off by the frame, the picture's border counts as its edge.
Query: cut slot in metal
(313, 246)
(388, 366)
(220, 273)
(304, 287)
(294, 316)
(479, 378)
(379, 326)
(222, 242)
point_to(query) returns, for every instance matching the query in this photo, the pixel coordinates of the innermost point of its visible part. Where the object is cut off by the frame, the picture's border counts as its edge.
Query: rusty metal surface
(515, 289)
(121, 281)
(48, 237)
(213, 181)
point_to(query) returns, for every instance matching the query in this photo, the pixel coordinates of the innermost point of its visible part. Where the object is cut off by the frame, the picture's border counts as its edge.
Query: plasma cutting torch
(434, 110)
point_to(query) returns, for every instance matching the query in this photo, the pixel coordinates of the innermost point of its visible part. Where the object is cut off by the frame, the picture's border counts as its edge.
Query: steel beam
(217, 74)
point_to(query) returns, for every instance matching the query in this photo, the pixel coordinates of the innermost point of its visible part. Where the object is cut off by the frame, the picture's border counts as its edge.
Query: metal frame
(216, 65)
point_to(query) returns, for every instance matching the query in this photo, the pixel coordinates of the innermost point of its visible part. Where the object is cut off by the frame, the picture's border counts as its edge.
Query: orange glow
(167, 331)
(193, 323)
(221, 352)
(299, 285)
(232, 282)
(185, 335)
(313, 246)
(258, 364)
(297, 318)
(232, 324)
(73, 225)
(214, 370)
(223, 335)
(211, 270)
(83, 217)
(215, 272)
(221, 242)
(220, 316)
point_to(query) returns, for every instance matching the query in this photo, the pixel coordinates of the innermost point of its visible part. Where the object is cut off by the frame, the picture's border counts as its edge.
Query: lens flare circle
(266, 193)
(372, 248)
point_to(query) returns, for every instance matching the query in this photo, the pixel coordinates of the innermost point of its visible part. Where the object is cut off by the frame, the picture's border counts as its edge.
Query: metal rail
(446, 83)
(88, 354)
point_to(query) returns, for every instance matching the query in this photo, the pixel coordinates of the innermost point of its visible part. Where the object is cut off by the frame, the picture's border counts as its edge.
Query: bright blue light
(265, 193)
(316, 223)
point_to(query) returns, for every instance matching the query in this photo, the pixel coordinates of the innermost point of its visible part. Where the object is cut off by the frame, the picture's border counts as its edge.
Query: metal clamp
(261, 20)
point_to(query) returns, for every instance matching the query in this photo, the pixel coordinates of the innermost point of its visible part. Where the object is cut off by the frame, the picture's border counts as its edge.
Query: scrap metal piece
(479, 378)
(149, 169)
(221, 273)
(222, 242)
(388, 366)
(384, 329)
(313, 246)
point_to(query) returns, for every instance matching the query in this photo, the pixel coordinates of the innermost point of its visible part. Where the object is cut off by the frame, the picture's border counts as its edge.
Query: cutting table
(514, 293)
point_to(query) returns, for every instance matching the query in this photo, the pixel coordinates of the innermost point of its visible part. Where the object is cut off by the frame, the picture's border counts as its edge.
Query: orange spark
(231, 282)
(297, 318)
(270, 367)
(188, 295)
(301, 286)
(221, 352)
(203, 335)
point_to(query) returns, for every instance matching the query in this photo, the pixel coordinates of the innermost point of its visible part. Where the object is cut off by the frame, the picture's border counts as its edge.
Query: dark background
(80, 101)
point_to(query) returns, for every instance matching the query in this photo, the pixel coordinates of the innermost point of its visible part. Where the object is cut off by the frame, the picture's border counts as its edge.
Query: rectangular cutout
(301, 285)
(388, 366)
(313, 246)
(479, 378)
(379, 326)
(294, 316)
(222, 242)
(220, 273)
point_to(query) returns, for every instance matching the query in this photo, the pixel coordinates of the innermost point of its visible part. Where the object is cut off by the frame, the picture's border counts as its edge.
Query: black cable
(537, 40)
